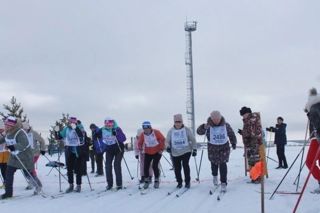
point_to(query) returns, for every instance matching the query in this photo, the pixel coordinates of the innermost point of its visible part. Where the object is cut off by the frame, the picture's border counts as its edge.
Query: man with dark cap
(251, 137)
(280, 139)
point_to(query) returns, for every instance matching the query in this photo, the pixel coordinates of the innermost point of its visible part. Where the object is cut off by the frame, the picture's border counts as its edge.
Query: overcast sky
(125, 59)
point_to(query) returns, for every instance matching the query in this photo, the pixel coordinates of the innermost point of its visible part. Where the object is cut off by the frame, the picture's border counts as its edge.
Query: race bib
(10, 142)
(179, 138)
(72, 138)
(150, 140)
(218, 135)
(3, 147)
(108, 138)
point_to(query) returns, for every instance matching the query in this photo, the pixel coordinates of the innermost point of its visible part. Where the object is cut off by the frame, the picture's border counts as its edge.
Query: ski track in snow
(240, 196)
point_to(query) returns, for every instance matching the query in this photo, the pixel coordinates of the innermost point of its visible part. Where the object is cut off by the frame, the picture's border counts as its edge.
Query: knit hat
(215, 114)
(10, 121)
(146, 125)
(177, 117)
(313, 92)
(73, 120)
(108, 121)
(245, 110)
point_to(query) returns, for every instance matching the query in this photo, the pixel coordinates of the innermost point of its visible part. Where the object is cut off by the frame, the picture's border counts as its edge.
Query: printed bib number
(218, 135)
(72, 138)
(179, 139)
(150, 140)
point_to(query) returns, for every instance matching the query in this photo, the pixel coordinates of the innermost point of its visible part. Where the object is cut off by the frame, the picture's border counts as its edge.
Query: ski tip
(177, 195)
(218, 198)
(210, 192)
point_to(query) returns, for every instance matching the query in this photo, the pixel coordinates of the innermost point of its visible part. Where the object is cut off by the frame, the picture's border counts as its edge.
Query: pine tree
(14, 109)
(56, 145)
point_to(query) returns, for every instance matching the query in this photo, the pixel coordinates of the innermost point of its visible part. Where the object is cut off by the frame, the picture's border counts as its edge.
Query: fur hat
(245, 110)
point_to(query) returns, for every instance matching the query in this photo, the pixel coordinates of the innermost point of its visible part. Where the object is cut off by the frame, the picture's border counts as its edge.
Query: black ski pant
(76, 164)
(223, 169)
(99, 161)
(155, 159)
(34, 180)
(281, 156)
(184, 160)
(3, 167)
(114, 155)
(314, 117)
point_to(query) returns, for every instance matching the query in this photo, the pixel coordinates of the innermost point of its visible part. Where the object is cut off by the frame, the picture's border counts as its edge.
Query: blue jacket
(280, 137)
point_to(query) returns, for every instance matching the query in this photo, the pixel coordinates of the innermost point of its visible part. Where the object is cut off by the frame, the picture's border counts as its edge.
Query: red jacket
(154, 149)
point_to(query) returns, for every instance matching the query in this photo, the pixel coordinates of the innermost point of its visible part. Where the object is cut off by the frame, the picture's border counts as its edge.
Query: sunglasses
(178, 121)
(146, 127)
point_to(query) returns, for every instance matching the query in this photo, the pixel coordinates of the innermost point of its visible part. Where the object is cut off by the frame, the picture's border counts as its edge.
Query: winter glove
(43, 152)
(56, 128)
(194, 153)
(168, 149)
(137, 157)
(15, 153)
(233, 146)
(11, 148)
(268, 129)
(114, 132)
(240, 131)
(73, 126)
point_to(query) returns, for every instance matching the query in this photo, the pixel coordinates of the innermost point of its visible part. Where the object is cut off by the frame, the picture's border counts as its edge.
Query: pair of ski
(179, 191)
(216, 189)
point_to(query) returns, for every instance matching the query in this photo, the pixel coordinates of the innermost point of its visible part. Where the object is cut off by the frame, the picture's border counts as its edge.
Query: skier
(38, 146)
(252, 140)
(313, 112)
(139, 154)
(220, 135)
(180, 143)
(74, 142)
(112, 135)
(280, 139)
(21, 155)
(98, 148)
(4, 155)
(153, 143)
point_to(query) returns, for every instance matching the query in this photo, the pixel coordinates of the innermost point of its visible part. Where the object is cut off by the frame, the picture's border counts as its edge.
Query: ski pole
(29, 174)
(200, 165)
(138, 163)
(89, 182)
(195, 162)
(124, 159)
(167, 160)
(285, 175)
(301, 167)
(272, 159)
(268, 147)
(162, 169)
(305, 183)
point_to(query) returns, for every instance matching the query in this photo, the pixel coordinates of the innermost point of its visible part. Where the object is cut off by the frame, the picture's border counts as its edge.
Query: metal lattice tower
(190, 27)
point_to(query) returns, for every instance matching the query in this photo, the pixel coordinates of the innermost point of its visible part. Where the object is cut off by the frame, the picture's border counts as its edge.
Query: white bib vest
(3, 147)
(218, 135)
(13, 141)
(108, 138)
(179, 139)
(150, 140)
(72, 138)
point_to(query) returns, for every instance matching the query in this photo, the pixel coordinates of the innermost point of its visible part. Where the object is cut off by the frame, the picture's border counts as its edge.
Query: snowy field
(240, 196)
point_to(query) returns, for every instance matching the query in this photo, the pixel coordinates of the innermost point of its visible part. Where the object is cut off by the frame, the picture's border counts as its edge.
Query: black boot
(5, 196)
(70, 189)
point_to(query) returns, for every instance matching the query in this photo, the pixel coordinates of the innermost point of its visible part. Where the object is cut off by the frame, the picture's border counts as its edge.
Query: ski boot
(156, 183)
(215, 180)
(70, 189)
(78, 188)
(223, 187)
(179, 186)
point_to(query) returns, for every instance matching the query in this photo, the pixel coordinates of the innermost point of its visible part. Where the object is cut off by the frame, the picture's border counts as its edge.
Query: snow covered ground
(240, 196)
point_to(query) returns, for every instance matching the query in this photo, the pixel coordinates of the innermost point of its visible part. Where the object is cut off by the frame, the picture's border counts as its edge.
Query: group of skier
(20, 147)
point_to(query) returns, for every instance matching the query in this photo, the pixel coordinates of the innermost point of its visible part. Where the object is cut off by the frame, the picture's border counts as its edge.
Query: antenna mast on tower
(190, 27)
